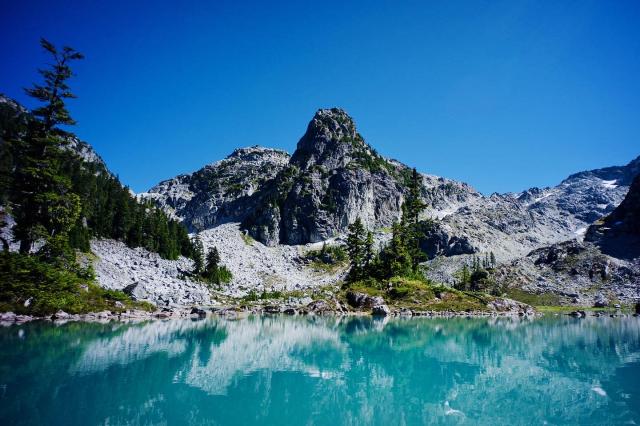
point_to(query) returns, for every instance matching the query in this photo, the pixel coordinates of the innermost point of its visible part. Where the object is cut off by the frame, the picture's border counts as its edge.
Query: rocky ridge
(220, 192)
(601, 270)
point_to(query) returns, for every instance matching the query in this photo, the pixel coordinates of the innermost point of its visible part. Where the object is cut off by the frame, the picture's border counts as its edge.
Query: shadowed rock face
(619, 233)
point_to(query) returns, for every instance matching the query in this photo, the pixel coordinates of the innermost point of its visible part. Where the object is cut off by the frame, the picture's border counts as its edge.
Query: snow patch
(610, 184)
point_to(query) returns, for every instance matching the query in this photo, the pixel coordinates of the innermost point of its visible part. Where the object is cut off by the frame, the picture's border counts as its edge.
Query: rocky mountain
(603, 268)
(511, 225)
(13, 118)
(220, 192)
(334, 176)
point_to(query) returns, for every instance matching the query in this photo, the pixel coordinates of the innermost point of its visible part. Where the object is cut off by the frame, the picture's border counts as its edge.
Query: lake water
(323, 371)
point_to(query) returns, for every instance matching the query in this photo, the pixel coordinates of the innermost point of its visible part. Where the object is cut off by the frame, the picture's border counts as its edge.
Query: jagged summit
(255, 153)
(614, 175)
(331, 141)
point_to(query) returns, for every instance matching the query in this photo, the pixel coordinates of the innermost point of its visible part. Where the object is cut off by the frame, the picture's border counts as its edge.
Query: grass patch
(421, 295)
(545, 299)
(31, 286)
(248, 240)
(329, 259)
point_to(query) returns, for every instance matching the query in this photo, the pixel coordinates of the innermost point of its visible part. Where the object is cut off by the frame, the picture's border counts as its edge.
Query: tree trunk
(25, 246)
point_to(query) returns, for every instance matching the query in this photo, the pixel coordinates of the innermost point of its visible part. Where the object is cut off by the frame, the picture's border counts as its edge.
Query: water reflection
(310, 370)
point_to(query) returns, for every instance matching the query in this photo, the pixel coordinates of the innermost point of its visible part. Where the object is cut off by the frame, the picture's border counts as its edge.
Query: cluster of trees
(402, 256)
(209, 269)
(477, 276)
(57, 198)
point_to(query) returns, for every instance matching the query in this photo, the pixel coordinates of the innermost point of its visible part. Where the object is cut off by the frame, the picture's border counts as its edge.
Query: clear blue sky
(504, 95)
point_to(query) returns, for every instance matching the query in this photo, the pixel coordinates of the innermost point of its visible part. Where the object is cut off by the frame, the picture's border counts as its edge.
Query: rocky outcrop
(511, 225)
(602, 269)
(577, 273)
(618, 234)
(220, 192)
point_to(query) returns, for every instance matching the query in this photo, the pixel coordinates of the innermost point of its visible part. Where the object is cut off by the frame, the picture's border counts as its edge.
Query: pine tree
(397, 260)
(356, 249)
(211, 269)
(43, 204)
(493, 260)
(368, 251)
(55, 89)
(410, 222)
(198, 255)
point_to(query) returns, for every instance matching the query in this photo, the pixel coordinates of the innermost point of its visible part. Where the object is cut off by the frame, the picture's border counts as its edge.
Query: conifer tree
(44, 206)
(410, 224)
(368, 251)
(198, 255)
(397, 260)
(356, 242)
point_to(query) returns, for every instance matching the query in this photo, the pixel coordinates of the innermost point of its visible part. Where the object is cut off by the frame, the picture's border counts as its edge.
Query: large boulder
(363, 301)
(380, 310)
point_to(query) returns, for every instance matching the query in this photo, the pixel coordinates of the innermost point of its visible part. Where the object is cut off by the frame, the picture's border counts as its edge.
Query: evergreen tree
(410, 224)
(369, 254)
(211, 270)
(43, 204)
(198, 255)
(413, 204)
(493, 260)
(55, 88)
(356, 247)
(396, 259)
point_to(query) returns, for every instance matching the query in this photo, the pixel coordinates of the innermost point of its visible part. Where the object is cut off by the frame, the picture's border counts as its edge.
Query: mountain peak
(330, 140)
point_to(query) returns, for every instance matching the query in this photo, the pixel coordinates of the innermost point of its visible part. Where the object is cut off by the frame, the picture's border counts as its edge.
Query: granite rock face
(220, 192)
(603, 268)
(577, 273)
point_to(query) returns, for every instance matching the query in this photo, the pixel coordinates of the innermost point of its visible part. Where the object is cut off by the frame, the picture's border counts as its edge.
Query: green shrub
(30, 286)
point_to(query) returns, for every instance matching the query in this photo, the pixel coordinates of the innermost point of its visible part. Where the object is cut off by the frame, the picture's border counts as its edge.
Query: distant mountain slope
(602, 269)
(219, 192)
(510, 225)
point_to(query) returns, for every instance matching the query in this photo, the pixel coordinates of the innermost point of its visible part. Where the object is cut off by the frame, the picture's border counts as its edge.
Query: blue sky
(504, 95)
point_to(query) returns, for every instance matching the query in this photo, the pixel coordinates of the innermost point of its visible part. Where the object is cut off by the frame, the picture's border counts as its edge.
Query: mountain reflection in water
(313, 370)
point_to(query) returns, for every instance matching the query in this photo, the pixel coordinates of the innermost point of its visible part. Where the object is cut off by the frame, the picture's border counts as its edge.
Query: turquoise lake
(322, 371)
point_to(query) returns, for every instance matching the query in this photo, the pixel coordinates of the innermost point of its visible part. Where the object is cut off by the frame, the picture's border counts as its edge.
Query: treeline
(108, 210)
(57, 198)
(402, 256)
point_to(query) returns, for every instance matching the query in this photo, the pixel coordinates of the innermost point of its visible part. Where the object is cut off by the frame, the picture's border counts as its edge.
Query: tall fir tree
(356, 247)
(44, 205)
(410, 222)
(198, 255)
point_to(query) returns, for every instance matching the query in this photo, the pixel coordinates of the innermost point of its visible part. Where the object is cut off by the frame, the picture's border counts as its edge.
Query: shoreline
(235, 312)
